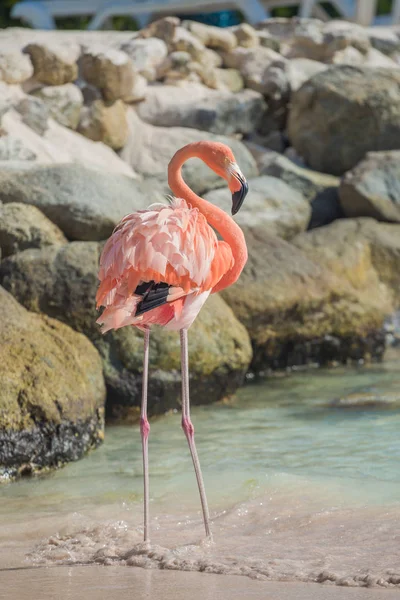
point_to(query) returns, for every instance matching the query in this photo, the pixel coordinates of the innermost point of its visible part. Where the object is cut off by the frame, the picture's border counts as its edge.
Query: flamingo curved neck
(216, 217)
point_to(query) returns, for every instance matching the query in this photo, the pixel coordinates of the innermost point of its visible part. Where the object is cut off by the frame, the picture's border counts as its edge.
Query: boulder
(384, 39)
(23, 226)
(163, 28)
(198, 107)
(110, 70)
(105, 123)
(62, 145)
(149, 150)
(223, 79)
(245, 35)
(146, 55)
(272, 207)
(363, 252)
(297, 311)
(83, 203)
(372, 188)
(253, 63)
(34, 113)
(339, 115)
(300, 70)
(219, 346)
(54, 63)
(309, 183)
(212, 37)
(13, 148)
(64, 103)
(184, 40)
(15, 67)
(52, 393)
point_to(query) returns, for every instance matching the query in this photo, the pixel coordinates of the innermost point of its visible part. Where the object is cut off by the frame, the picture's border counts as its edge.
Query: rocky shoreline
(89, 122)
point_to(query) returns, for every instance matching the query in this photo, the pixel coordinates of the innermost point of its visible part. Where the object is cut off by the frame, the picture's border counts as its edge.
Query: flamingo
(160, 265)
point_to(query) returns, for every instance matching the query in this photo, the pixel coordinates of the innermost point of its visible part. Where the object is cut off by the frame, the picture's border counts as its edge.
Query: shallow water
(300, 488)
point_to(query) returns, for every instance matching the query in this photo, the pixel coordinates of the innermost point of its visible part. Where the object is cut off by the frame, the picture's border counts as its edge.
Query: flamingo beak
(239, 195)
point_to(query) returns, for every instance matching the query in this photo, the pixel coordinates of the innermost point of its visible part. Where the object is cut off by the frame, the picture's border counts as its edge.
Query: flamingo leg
(144, 432)
(189, 429)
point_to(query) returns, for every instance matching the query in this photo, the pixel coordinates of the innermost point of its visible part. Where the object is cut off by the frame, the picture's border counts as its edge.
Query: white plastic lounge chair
(40, 14)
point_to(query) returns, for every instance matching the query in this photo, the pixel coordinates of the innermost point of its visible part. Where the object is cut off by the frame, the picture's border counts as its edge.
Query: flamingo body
(170, 244)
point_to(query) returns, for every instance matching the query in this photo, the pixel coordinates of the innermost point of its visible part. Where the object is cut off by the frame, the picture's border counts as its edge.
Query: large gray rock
(23, 226)
(13, 148)
(372, 188)
(149, 150)
(299, 310)
(271, 207)
(339, 115)
(85, 204)
(64, 103)
(363, 252)
(52, 392)
(34, 113)
(201, 108)
(320, 189)
(146, 55)
(62, 283)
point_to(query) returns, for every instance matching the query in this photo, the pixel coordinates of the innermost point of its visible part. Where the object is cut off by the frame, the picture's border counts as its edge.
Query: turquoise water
(279, 455)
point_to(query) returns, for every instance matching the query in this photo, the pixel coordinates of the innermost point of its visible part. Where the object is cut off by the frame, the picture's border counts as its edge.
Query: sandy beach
(95, 583)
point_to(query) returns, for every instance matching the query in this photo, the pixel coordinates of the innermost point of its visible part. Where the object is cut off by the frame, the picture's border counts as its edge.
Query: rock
(34, 113)
(54, 63)
(224, 79)
(339, 33)
(268, 41)
(83, 203)
(64, 103)
(146, 55)
(272, 207)
(363, 252)
(23, 226)
(260, 145)
(374, 58)
(105, 123)
(12, 148)
(62, 145)
(201, 108)
(66, 289)
(149, 150)
(300, 70)
(110, 70)
(298, 311)
(52, 393)
(184, 40)
(246, 35)
(139, 89)
(161, 28)
(307, 182)
(252, 63)
(90, 93)
(212, 37)
(15, 67)
(339, 115)
(370, 399)
(372, 188)
(384, 39)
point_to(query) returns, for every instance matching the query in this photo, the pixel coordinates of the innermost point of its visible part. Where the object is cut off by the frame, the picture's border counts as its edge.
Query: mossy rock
(62, 283)
(52, 392)
(299, 311)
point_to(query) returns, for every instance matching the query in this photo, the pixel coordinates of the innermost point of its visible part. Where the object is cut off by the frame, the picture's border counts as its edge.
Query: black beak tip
(238, 197)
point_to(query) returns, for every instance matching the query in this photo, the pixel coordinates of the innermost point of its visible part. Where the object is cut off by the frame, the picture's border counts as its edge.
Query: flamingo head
(220, 159)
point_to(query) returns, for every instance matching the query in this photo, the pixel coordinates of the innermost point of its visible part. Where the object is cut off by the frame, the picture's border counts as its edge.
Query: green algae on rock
(62, 282)
(52, 392)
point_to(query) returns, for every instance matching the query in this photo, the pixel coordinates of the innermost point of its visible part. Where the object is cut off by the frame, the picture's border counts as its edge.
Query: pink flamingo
(159, 267)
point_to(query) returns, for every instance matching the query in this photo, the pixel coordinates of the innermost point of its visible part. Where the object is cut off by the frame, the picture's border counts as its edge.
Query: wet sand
(109, 583)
